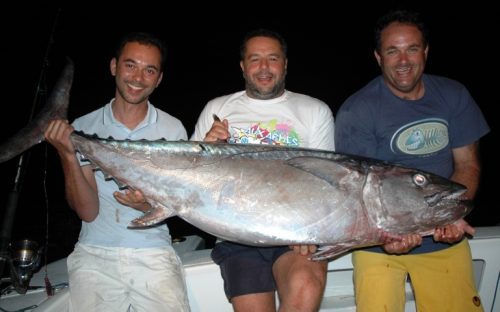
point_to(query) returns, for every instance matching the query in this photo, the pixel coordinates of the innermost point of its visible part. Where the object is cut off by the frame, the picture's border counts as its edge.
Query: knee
(305, 295)
(309, 282)
(301, 286)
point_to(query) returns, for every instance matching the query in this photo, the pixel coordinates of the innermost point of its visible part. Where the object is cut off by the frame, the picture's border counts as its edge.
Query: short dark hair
(261, 32)
(145, 39)
(401, 16)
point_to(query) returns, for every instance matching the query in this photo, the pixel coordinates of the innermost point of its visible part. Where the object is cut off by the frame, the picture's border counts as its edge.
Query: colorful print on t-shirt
(272, 133)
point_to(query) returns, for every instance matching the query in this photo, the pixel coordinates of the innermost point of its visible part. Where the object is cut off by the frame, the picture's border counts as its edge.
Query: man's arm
(466, 171)
(80, 184)
(467, 168)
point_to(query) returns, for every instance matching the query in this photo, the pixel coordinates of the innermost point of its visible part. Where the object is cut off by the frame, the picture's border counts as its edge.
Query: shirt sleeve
(323, 137)
(204, 123)
(466, 115)
(355, 133)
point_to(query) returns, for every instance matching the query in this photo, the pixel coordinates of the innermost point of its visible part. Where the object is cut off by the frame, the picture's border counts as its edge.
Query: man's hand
(134, 199)
(58, 134)
(219, 131)
(304, 249)
(452, 233)
(404, 245)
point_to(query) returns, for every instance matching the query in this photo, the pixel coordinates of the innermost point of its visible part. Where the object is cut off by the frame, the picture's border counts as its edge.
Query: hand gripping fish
(264, 195)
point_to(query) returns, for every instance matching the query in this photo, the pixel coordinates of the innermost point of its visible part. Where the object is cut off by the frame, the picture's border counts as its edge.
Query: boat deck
(206, 293)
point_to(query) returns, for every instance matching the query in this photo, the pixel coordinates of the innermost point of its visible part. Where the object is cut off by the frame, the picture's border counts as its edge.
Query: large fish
(266, 195)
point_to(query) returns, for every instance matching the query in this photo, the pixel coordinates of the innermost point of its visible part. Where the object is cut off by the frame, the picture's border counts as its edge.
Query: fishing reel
(25, 258)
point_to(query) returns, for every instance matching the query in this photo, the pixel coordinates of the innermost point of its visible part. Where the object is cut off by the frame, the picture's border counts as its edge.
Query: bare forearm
(466, 171)
(467, 168)
(468, 177)
(80, 192)
(79, 182)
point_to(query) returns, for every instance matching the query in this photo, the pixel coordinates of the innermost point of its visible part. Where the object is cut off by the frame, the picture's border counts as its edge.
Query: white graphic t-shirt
(292, 119)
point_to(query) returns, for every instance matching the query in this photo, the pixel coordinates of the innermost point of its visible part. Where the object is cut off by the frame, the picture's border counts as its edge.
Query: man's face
(137, 72)
(402, 58)
(264, 68)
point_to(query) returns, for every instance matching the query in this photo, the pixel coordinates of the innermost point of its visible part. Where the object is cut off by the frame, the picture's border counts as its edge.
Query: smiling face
(264, 68)
(402, 58)
(137, 72)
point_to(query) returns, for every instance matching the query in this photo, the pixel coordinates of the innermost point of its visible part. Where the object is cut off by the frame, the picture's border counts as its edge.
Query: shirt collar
(109, 118)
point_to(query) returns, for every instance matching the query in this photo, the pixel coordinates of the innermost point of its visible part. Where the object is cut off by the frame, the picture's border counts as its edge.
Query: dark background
(330, 57)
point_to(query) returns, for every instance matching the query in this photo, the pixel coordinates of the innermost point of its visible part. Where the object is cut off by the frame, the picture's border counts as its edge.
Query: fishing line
(48, 286)
(13, 197)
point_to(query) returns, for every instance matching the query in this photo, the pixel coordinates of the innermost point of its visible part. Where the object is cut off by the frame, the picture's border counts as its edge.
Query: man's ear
(377, 56)
(112, 66)
(159, 79)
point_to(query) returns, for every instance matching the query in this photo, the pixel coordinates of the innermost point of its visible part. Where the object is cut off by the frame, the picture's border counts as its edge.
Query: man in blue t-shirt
(426, 122)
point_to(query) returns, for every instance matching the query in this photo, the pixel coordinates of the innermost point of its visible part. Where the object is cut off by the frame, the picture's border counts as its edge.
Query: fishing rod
(13, 197)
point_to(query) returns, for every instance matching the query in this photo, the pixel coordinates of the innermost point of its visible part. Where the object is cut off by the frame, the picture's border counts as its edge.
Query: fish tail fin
(55, 108)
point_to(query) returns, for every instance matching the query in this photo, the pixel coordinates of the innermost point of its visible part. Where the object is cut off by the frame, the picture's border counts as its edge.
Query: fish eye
(419, 179)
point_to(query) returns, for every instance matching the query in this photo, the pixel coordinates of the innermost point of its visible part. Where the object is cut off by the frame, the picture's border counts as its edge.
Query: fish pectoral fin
(156, 214)
(323, 168)
(328, 252)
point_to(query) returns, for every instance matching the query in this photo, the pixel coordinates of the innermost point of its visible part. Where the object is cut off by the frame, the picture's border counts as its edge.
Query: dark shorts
(246, 269)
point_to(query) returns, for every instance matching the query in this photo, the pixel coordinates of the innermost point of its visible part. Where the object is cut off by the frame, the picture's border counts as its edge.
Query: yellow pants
(441, 280)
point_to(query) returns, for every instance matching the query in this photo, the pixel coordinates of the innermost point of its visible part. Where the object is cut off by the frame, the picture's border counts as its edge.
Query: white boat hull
(205, 287)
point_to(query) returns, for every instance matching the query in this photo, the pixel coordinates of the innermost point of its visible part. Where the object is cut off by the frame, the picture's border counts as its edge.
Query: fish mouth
(451, 200)
(447, 196)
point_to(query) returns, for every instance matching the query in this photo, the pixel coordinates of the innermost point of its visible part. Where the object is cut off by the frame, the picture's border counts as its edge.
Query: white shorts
(126, 279)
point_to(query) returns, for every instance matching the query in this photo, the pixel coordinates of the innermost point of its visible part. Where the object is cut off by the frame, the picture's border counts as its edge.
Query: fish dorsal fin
(121, 186)
(332, 171)
(86, 135)
(94, 136)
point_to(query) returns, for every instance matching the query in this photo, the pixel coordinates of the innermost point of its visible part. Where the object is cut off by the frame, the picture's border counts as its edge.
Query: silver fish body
(266, 195)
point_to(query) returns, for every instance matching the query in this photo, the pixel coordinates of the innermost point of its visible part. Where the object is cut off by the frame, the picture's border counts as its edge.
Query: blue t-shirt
(420, 134)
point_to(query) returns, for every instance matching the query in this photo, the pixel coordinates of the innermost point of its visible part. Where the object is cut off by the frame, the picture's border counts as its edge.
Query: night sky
(330, 57)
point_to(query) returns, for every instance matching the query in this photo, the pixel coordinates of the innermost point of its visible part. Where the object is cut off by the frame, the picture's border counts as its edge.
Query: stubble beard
(254, 92)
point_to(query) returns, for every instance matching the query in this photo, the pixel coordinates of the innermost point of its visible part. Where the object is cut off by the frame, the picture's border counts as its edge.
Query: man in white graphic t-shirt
(266, 113)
